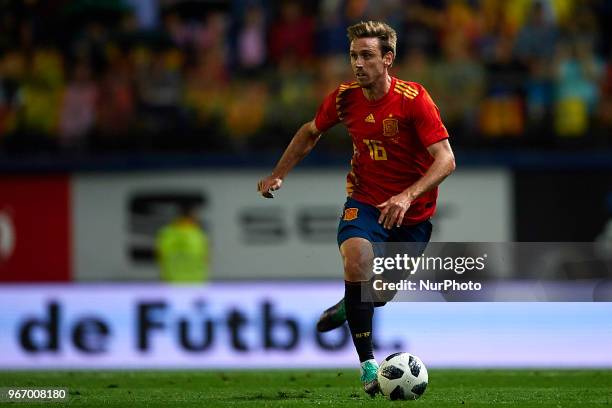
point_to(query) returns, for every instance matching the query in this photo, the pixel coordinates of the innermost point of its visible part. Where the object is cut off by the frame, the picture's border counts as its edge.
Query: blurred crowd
(81, 76)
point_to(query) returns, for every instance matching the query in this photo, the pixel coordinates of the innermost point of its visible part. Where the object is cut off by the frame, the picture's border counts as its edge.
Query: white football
(402, 376)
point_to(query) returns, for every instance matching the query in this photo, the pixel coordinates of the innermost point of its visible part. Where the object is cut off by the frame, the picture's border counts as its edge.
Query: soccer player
(400, 155)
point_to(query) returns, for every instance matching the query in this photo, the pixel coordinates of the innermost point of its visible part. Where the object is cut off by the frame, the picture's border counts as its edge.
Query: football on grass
(402, 376)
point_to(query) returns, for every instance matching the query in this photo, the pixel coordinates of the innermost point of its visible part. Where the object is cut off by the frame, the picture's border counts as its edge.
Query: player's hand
(393, 210)
(266, 185)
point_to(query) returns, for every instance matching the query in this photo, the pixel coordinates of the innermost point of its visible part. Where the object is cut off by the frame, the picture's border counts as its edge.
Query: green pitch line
(307, 388)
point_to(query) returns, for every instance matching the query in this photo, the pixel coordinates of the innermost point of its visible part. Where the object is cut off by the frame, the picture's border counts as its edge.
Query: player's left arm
(393, 210)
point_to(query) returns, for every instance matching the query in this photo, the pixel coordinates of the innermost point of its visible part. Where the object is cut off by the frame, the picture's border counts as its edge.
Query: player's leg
(418, 236)
(357, 255)
(358, 220)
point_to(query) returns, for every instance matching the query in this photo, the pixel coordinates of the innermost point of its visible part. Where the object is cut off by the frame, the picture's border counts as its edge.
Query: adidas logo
(370, 118)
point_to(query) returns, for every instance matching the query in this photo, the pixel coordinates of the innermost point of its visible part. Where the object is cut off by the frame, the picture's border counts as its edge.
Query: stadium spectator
(579, 73)
(252, 40)
(246, 112)
(159, 85)
(291, 33)
(537, 39)
(466, 77)
(116, 104)
(330, 35)
(40, 95)
(420, 29)
(502, 112)
(78, 109)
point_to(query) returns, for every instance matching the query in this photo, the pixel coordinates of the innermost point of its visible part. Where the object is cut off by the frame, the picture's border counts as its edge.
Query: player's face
(367, 61)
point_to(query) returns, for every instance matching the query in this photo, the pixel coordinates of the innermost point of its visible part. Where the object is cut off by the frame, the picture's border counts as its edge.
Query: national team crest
(350, 214)
(390, 127)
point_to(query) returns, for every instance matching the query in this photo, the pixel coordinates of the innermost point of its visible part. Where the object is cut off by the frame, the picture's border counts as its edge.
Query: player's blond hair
(375, 29)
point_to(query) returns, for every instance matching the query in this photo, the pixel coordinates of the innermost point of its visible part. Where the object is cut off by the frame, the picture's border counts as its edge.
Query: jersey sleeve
(427, 120)
(327, 115)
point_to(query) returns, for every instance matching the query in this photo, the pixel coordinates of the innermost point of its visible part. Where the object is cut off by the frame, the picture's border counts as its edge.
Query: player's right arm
(302, 143)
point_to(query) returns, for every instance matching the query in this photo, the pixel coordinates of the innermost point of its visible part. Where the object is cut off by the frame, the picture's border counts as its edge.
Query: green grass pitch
(307, 388)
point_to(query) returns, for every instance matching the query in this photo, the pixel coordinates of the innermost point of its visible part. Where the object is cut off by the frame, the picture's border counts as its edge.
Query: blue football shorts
(361, 220)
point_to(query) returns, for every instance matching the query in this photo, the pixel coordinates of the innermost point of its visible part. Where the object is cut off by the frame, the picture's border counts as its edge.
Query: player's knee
(357, 267)
(357, 257)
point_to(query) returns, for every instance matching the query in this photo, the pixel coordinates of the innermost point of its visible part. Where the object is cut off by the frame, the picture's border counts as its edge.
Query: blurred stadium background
(115, 115)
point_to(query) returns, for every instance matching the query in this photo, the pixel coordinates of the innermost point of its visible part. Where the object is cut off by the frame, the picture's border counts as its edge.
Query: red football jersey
(390, 139)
